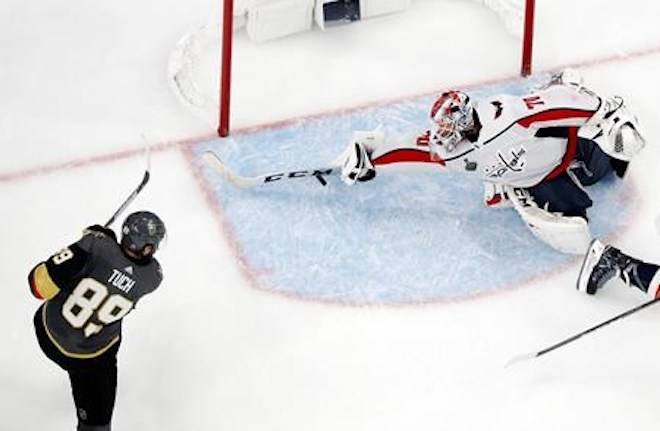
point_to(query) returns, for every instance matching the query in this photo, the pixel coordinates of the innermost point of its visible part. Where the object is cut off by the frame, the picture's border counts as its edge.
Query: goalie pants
(565, 193)
(93, 381)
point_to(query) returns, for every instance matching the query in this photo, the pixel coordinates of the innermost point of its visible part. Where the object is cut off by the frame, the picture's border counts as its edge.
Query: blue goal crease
(397, 239)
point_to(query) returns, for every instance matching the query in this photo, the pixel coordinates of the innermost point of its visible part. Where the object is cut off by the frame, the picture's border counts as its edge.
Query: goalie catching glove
(355, 161)
(615, 129)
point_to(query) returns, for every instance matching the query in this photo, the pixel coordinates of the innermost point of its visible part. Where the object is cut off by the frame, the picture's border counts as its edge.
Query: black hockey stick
(542, 352)
(244, 182)
(133, 195)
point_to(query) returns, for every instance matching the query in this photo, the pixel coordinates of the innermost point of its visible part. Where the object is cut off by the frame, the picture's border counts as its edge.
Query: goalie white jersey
(522, 141)
(526, 149)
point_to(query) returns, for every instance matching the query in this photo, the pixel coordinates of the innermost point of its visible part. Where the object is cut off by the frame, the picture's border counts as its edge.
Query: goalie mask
(452, 116)
(142, 233)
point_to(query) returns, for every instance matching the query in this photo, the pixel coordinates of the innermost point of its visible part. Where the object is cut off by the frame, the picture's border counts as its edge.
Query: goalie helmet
(142, 233)
(452, 116)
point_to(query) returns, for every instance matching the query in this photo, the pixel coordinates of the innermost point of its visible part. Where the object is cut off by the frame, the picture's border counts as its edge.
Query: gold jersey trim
(45, 285)
(71, 354)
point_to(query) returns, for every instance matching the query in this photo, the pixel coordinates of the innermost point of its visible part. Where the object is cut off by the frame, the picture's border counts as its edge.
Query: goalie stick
(213, 161)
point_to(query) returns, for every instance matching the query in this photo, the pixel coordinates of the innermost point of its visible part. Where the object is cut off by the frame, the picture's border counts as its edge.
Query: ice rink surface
(403, 238)
(84, 87)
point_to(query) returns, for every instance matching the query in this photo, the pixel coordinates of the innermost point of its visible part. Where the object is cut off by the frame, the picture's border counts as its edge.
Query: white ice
(83, 87)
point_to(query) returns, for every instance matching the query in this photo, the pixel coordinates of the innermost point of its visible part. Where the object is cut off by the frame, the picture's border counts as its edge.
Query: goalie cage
(516, 15)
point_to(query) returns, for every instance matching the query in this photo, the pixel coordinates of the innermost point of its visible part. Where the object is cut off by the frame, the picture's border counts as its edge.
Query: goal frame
(227, 43)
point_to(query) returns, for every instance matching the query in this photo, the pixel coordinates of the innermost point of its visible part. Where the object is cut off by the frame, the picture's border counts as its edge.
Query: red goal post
(528, 38)
(227, 44)
(225, 69)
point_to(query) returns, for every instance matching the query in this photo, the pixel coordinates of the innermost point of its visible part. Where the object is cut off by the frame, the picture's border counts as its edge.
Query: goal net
(369, 51)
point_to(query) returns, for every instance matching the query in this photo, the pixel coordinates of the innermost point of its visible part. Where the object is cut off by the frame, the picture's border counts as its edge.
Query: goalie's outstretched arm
(368, 153)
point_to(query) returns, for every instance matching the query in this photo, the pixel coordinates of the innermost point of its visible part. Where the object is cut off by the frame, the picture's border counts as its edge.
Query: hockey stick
(133, 195)
(219, 166)
(525, 357)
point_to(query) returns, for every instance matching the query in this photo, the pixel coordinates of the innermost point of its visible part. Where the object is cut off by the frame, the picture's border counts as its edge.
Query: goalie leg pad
(566, 234)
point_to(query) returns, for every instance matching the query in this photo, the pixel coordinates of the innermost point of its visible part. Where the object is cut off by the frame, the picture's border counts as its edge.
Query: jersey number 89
(91, 297)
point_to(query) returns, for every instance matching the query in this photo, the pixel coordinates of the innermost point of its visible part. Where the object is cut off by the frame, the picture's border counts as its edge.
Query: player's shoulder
(151, 275)
(97, 236)
(157, 269)
(100, 245)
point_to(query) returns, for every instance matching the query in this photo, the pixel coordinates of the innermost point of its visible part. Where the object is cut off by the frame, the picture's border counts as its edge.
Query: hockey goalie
(535, 153)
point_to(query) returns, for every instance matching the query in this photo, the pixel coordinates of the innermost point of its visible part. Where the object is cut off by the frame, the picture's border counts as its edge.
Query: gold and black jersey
(89, 287)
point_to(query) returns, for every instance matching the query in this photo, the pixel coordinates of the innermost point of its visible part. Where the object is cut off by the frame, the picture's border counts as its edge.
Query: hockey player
(88, 288)
(535, 152)
(604, 262)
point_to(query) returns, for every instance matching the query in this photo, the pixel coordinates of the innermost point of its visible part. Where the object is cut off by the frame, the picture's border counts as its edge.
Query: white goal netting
(194, 63)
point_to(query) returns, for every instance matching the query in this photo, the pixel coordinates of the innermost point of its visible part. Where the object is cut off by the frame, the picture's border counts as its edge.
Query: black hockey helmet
(142, 233)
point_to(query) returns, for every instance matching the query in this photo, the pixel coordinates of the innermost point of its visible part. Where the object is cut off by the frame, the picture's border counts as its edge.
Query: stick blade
(520, 358)
(213, 161)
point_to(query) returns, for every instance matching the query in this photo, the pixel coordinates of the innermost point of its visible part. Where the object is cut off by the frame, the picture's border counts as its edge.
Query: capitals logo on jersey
(514, 161)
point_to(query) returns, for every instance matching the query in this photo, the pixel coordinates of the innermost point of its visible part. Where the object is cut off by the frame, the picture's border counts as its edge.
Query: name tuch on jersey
(121, 281)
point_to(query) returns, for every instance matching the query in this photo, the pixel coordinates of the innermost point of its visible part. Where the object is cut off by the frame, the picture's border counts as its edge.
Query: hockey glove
(357, 165)
(355, 161)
